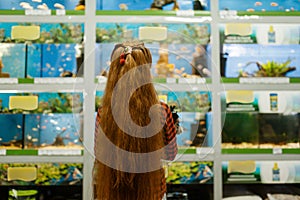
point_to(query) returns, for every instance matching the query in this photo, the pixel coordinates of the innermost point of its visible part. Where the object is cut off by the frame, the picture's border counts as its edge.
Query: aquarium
(193, 109)
(196, 172)
(194, 113)
(184, 53)
(11, 133)
(260, 119)
(153, 5)
(261, 179)
(41, 5)
(260, 50)
(261, 6)
(61, 174)
(55, 122)
(12, 60)
(55, 51)
(53, 131)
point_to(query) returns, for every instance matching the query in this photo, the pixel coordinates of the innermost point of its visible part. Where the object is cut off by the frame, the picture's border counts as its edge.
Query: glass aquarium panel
(194, 110)
(261, 179)
(153, 5)
(260, 6)
(41, 180)
(260, 119)
(185, 53)
(42, 5)
(56, 51)
(61, 174)
(56, 121)
(260, 50)
(196, 172)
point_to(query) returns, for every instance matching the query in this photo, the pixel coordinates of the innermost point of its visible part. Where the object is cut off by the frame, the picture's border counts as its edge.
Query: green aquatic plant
(270, 69)
(110, 35)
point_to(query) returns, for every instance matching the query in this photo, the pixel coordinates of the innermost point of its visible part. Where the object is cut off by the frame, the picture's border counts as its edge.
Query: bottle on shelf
(276, 172)
(271, 35)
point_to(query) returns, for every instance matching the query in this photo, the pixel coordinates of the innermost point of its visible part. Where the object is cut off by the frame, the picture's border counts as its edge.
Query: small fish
(43, 7)
(123, 6)
(38, 1)
(59, 6)
(258, 3)
(274, 4)
(250, 10)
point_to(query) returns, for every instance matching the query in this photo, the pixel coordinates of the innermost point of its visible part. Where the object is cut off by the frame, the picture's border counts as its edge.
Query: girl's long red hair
(112, 183)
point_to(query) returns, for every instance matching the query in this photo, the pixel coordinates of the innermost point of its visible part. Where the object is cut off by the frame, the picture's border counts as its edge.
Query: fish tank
(45, 5)
(260, 120)
(184, 52)
(166, 5)
(261, 7)
(53, 50)
(195, 118)
(41, 120)
(260, 50)
(189, 180)
(184, 172)
(39, 183)
(272, 179)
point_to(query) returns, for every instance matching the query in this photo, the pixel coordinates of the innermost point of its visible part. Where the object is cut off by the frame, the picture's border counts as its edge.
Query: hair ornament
(127, 50)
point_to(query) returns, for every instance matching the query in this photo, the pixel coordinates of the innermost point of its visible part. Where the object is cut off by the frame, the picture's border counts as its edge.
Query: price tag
(60, 12)
(55, 80)
(277, 151)
(186, 80)
(270, 80)
(204, 150)
(228, 13)
(8, 81)
(185, 13)
(2, 152)
(53, 152)
(171, 80)
(37, 12)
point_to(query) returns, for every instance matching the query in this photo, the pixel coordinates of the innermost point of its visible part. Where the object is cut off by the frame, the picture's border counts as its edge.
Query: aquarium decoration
(190, 172)
(270, 69)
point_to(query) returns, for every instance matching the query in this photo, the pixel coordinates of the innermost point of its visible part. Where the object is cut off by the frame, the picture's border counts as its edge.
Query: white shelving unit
(88, 87)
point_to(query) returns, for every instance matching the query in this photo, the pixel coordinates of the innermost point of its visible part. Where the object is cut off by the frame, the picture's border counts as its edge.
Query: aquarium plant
(270, 69)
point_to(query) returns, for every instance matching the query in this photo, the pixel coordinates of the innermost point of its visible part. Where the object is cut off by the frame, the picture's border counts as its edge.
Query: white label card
(271, 80)
(277, 151)
(37, 12)
(2, 152)
(9, 80)
(185, 13)
(50, 152)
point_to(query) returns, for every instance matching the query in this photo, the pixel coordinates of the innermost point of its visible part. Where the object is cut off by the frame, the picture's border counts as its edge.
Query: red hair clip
(122, 59)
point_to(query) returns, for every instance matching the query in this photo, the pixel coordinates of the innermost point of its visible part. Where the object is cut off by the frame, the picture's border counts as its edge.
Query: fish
(38, 1)
(274, 4)
(250, 10)
(59, 6)
(258, 3)
(123, 6)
